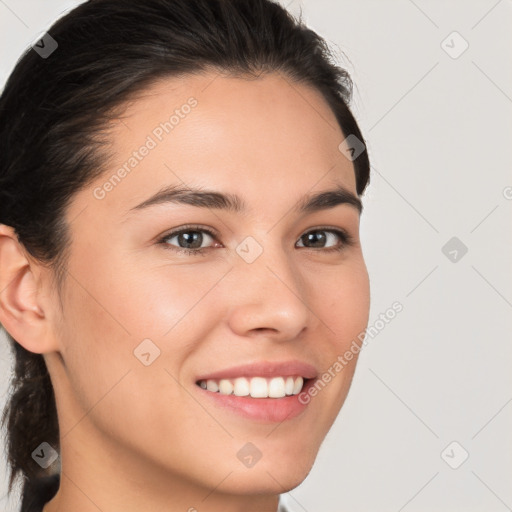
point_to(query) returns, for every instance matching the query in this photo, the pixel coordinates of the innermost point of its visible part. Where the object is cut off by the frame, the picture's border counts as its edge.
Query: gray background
(439, 133)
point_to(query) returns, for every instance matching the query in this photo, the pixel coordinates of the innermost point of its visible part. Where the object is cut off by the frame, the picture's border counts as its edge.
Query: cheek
(110, 386)
(118, 309)
(156, 298)
(343, 303)
(344, 300)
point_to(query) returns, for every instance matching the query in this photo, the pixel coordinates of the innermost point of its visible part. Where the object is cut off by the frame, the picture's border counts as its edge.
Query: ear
(22, 301)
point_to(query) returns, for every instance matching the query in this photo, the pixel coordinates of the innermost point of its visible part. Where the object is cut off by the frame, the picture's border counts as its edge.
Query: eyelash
(346, 240)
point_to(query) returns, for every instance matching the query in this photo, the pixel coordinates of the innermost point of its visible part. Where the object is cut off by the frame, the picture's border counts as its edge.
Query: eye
(191, 238)
(318, 238)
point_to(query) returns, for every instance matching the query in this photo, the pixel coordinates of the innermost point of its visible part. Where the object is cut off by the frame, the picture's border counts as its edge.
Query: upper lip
(264, 369)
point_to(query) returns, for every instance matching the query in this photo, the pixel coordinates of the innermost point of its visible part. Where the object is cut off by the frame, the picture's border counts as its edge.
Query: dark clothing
(39, 492)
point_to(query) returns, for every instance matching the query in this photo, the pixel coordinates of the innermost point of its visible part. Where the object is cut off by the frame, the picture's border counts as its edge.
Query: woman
(180, 261)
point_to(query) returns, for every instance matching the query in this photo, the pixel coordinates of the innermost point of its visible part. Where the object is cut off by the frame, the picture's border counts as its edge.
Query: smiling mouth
(256, 387)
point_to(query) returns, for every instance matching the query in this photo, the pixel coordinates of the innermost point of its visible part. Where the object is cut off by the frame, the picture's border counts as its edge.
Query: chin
(270, 477)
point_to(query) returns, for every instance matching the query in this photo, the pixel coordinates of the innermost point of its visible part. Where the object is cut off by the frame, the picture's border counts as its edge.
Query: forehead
(245, 136)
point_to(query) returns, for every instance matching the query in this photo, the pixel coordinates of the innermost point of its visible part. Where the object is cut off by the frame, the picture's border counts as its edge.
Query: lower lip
(262, 409)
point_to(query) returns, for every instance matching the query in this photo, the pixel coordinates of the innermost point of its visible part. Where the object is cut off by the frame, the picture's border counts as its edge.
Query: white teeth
(225, 387)
(289, 386)
(298, 385)
(241, 387)
(256, 387)
(259, 387)
(276, 388)
(211, 385)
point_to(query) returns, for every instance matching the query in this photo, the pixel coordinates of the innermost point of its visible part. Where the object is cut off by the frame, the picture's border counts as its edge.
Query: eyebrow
(231, 202)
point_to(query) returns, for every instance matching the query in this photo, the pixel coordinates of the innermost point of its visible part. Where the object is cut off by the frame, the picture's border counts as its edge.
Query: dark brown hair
(54, 111)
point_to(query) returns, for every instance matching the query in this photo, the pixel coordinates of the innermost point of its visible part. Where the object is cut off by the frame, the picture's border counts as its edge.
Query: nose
(269, 297)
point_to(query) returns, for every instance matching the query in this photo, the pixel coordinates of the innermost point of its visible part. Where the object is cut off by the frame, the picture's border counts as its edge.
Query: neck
(101, 475)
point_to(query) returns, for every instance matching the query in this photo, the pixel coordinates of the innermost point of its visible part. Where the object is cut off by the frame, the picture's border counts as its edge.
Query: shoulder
(283, 507)
(36, 493)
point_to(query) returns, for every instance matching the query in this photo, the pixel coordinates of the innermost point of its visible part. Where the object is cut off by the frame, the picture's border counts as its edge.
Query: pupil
(188, 238)
(317, 238)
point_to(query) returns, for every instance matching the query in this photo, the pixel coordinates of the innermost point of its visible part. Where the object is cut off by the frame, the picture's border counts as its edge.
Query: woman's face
(143, 322)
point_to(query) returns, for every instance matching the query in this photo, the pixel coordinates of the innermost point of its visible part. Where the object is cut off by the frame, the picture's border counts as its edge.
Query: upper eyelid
(178, 231)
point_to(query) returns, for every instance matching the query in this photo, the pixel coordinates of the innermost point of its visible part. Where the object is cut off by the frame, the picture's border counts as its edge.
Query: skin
(136, 437)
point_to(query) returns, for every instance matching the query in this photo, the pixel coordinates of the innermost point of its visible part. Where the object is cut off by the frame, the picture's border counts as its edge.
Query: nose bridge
(270, 291)
(267, 257)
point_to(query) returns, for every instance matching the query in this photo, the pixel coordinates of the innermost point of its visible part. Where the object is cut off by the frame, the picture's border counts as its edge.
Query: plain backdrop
(427, 422)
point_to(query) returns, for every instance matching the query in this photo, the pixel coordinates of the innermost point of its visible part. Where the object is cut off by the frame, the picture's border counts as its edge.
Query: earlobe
(21, 315)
